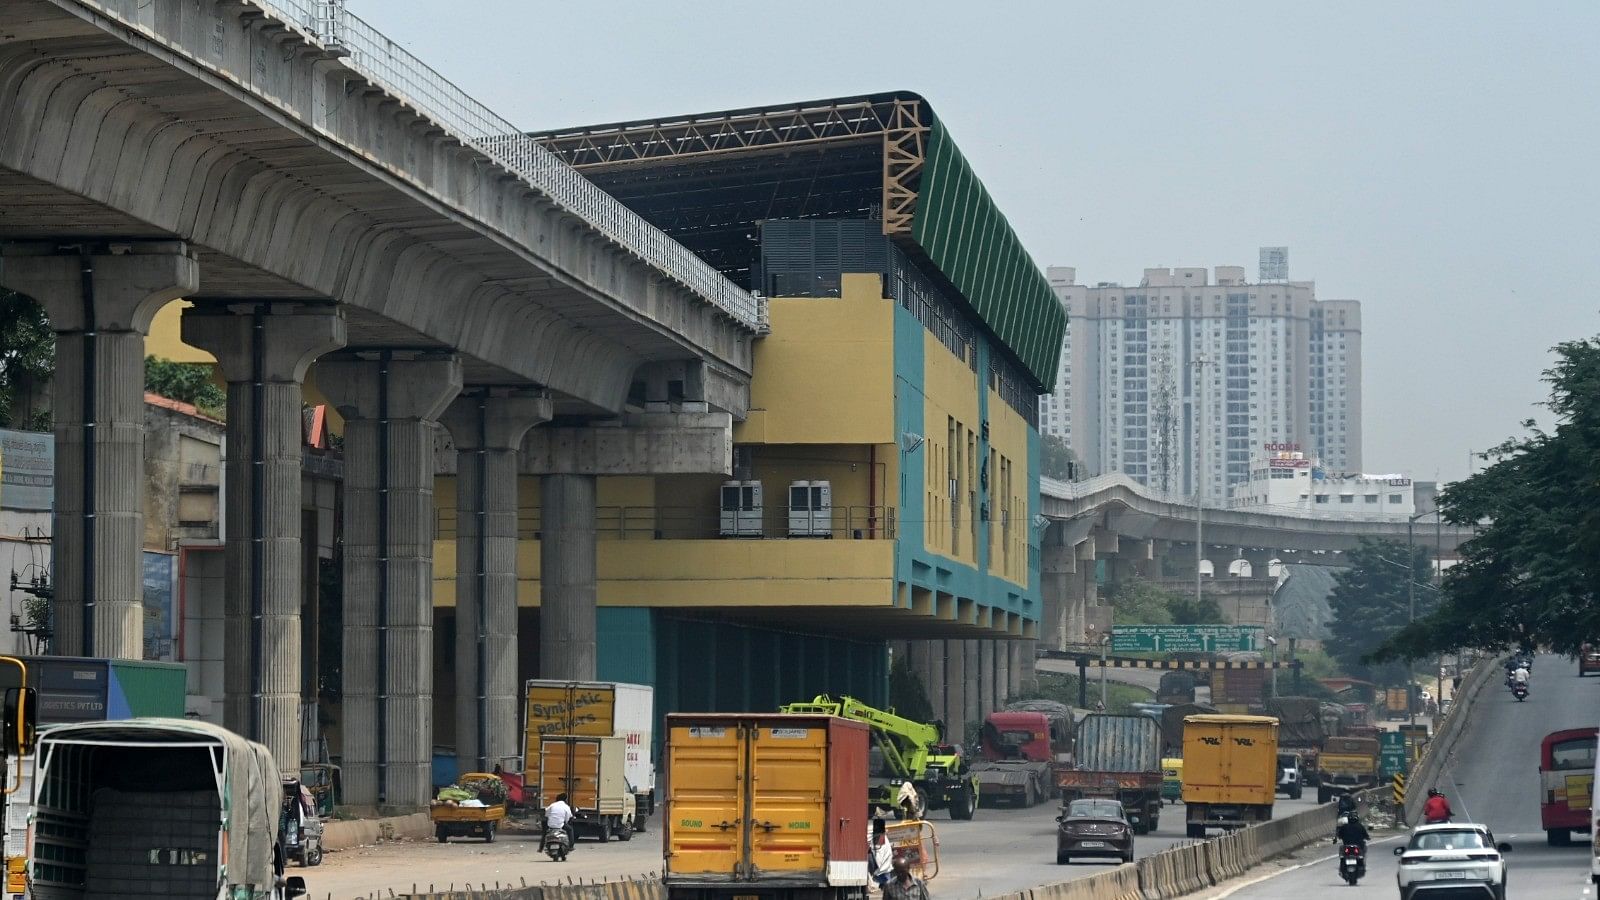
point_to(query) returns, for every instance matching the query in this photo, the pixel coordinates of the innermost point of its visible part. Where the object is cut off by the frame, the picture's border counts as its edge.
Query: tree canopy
(1370, 602)
(27, 360)
(1530, 576)
(186, 383)
(1056, 459)
(1139, 602)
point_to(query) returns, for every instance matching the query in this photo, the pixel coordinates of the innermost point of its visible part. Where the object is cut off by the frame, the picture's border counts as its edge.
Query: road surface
(1492, 779)
(999, 851)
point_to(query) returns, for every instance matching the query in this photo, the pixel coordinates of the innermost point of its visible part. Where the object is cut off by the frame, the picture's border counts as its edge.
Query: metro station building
(884, 489)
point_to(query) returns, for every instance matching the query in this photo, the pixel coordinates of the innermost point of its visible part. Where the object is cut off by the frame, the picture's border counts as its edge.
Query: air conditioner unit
(811, 509)
(741, 509)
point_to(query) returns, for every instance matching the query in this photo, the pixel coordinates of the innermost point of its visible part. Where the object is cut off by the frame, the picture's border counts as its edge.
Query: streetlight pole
(1104, 642)
(1411, 606)
(1200, 363)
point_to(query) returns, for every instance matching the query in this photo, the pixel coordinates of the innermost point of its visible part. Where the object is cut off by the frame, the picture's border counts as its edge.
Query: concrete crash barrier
(631, 889)
(344, 835)
(1426, 772)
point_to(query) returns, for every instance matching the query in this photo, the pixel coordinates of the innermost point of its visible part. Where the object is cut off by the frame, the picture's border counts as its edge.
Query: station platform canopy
(710, 180)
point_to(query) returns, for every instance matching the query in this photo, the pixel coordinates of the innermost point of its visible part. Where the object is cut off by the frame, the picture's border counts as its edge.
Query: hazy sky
(1436, 161)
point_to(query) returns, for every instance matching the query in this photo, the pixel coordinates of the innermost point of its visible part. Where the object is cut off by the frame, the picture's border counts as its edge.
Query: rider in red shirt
(1437, 810)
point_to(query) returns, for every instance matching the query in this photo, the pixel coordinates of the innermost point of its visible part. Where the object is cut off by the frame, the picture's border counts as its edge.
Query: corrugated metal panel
(1119, 744)
(963, 232)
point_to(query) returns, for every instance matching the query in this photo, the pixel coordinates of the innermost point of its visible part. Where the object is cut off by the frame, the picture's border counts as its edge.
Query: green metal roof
(958, 226)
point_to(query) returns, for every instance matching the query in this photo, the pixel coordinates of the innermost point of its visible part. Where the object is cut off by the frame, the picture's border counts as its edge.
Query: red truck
(1017, 756)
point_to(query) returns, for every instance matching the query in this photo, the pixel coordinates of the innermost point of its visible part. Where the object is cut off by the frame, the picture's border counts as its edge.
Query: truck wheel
(624, 831)
(961, 805)
(1196, 831)
(314, 855)
(1323, 794)
(1295, 792)
(1558, 837)
(605, 832)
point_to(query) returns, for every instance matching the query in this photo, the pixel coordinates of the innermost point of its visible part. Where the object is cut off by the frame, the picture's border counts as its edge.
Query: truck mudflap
(1227, 815)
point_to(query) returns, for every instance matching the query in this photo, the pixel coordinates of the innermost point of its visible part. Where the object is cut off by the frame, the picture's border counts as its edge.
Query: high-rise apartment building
(1147, 368)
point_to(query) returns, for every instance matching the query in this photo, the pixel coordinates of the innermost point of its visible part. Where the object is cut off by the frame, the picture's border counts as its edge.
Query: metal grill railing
(433, 96)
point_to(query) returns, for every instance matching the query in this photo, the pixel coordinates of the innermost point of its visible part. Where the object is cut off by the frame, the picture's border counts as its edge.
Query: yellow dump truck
(1230, 771)
(1347, 764)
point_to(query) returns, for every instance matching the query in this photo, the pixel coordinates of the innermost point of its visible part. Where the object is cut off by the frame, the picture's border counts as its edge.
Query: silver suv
(1454, 859)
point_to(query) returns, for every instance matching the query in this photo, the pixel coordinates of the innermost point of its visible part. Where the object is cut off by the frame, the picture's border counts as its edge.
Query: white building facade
(1285, 479)
(1147, 369)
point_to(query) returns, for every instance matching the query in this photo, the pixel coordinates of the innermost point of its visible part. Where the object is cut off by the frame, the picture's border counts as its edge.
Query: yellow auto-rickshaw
(1172, 779)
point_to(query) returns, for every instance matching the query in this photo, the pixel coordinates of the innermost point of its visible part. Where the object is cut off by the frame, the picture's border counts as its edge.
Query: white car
(1452, 860)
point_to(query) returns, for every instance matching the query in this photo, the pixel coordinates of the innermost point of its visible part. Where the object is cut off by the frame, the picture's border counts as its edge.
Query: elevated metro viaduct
(1109, 528)
(346, 224)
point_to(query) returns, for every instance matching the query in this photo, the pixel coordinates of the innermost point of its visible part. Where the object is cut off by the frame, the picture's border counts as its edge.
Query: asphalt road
(999, 851)
(1492, 779)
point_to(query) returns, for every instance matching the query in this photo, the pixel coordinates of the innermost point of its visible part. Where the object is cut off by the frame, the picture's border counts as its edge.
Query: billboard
(160, 608)
(27, 470)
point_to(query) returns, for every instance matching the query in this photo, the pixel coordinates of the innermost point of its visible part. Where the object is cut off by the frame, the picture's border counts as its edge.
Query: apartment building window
(1322, 498)
(1372, 498)
(1347, 498)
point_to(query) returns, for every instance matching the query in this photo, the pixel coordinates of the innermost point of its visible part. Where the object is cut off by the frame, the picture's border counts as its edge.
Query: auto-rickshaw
(299, 824)
(1172, 779)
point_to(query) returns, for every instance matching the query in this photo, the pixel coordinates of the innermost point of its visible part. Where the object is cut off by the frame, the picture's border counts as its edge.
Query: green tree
(1189, 611)
(1371, 603)
(186, 383)
(1056, 459)
(1138, 602)
(27, 361)
(1530, 576)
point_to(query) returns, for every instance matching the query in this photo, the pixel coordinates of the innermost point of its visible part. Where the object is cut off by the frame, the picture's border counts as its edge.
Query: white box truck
(595, 709)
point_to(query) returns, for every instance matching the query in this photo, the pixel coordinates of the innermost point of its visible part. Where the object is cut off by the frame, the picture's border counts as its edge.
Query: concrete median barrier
(1425, 774)
(628, 889)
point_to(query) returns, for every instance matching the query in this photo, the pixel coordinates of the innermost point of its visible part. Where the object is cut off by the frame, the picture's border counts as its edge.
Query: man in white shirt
(1520, 675)
(557, 815)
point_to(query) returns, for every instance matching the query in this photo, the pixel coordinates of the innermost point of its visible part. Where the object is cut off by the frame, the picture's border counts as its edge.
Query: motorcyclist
(1519, 675)
(1352, 832)
(1347, 805)
(1436, 811)
(558, 818)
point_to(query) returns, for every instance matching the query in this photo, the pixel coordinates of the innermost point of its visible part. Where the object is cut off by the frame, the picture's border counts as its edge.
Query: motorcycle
(556, 844)
(1352, 863)
(1520, 692)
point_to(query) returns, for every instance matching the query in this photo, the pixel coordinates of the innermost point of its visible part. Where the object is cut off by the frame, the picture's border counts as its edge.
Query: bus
(1566, 779)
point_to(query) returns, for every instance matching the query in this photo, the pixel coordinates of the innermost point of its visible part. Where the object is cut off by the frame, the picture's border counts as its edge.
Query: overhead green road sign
(1185, 638)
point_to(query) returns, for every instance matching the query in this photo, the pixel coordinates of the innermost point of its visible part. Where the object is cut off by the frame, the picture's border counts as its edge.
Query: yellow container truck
(1230, 771)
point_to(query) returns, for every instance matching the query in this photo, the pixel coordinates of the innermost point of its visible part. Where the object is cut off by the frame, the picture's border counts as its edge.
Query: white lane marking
(1271, 875)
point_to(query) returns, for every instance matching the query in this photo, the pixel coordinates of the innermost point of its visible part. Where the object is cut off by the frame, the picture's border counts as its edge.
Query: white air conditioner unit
(741, 509)
(811, 509)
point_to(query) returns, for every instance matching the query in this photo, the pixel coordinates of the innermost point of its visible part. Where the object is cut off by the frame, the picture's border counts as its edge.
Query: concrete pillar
(487, 431)
(955, 682)
(100, 304)
(1021, 668)
(264, 350)
(927, 659)
(986, 678)
(1002, 672)
(391, 401)
(971, 685)
(567, 577)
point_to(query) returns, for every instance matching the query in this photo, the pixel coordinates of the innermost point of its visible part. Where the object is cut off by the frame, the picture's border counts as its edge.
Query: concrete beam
(677, 382)
(644, 444)
(487, 429)
(264, 350)
(100, 303)
(391, 402)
